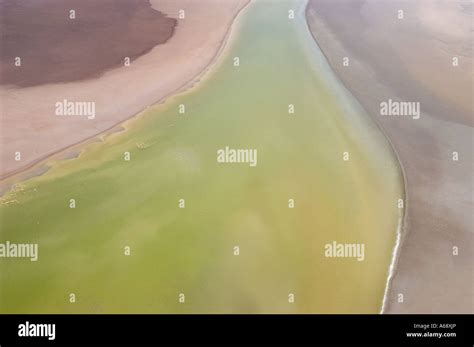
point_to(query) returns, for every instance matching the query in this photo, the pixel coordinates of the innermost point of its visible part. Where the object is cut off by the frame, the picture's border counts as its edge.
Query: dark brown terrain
(54, 48)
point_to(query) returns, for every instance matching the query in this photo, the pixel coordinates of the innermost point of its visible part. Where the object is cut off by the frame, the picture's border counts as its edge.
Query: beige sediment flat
(411, 60)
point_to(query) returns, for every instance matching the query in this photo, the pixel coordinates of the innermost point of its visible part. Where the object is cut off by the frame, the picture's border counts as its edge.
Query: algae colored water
(173, 156)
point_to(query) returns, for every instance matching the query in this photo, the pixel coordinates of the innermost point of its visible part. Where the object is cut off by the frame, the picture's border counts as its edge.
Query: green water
(191, 250)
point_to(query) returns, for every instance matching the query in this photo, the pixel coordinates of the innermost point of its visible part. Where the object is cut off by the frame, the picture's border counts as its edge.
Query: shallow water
(191, 250)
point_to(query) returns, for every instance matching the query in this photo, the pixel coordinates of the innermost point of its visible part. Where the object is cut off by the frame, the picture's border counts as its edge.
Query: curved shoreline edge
(188, 85)
(402, 227)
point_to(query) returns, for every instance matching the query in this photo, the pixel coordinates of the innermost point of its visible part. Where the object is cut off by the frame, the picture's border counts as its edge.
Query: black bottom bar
(448, 330)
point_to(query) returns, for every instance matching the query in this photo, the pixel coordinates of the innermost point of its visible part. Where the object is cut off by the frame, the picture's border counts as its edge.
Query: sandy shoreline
(118, 94)
(402, 224)
(439, 190)
(402, 218)
(42, 165)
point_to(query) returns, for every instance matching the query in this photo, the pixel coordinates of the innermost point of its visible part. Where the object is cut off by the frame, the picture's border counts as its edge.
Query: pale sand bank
(411, 60)
(30, 126)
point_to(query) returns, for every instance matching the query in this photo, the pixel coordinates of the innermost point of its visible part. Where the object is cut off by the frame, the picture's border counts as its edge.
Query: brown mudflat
(411, 59)
(55, 48)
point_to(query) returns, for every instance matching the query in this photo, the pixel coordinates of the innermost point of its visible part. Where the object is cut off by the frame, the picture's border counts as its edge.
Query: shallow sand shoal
(30, 126)
(410, 59)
